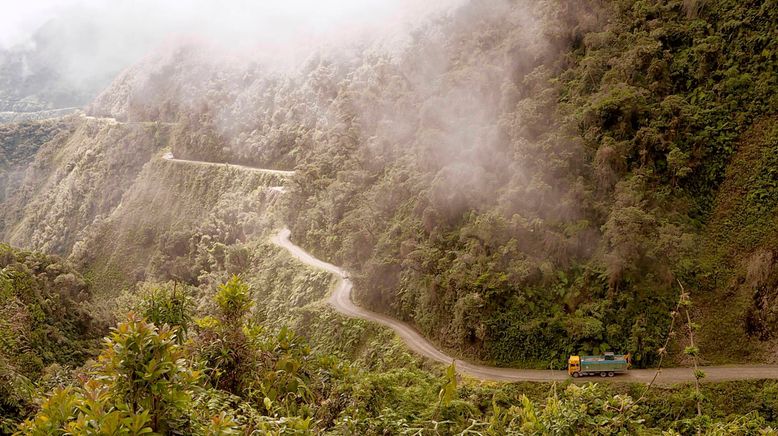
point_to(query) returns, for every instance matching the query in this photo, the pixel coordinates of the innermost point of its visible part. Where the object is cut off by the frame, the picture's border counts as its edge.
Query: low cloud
(118, 32)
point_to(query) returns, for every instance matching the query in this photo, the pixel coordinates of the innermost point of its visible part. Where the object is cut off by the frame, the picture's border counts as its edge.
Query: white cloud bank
(234, 22)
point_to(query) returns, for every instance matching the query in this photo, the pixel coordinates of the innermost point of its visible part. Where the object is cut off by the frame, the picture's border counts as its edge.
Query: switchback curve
(341, 301)
(169, 156)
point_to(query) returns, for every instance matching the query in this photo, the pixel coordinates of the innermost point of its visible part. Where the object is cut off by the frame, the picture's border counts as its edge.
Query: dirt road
(170, 157)
(342, 302)
(114, 122)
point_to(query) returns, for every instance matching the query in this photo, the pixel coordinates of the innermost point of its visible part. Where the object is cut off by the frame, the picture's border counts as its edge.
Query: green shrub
(141, 383)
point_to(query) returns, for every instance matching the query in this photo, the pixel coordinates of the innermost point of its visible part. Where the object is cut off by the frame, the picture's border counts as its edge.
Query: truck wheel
(602, 374)
(610, 374)
(576, 374)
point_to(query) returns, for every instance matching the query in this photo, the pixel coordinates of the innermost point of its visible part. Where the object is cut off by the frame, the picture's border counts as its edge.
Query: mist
(236, 22)
(74, 48)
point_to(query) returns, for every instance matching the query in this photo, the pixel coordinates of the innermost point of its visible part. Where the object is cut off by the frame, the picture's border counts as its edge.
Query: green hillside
(46, 328)
(534, 184)
(564, 223)
(518, 180)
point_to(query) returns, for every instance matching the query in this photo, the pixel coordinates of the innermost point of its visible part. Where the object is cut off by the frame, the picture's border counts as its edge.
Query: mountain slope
(75, 178)
(519, 181)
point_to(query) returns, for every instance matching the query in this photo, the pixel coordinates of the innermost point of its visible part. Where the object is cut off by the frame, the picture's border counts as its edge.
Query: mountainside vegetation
(76, 177)
(519, 180)
(18, 148)
(45, 327)
(519, 191)
(602, 176)
(170, 368)
(204, 216)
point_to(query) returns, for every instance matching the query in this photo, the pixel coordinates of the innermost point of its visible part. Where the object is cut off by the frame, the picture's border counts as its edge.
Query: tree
(222, 340)
(167, 304)
(140, 384)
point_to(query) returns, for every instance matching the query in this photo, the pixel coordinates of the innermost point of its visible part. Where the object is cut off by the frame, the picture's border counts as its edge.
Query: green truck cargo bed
(604, 364)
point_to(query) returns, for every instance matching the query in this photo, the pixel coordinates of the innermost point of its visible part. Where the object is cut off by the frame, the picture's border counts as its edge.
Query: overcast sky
(81, 45)
(232, 21)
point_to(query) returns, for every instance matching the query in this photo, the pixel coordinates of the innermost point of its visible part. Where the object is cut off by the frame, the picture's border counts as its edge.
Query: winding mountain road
(341, 301)
(169, 156)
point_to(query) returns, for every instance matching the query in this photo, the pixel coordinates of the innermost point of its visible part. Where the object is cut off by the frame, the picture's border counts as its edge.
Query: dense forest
(519, 180)
(517, 189)
(170, 368)
(564, 221)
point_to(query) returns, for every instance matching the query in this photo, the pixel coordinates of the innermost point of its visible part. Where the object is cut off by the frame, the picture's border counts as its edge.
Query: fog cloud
(124, 29)
(76, 47)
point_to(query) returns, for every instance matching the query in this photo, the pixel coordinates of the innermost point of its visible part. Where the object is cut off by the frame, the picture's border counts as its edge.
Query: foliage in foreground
(231, 376)
(45, 327)
(140, 383)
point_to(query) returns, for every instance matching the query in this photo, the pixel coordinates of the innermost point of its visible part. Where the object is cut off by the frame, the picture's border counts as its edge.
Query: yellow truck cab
(574, 365)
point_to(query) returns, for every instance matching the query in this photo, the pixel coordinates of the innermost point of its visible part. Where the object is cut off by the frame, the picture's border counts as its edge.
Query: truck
(606, 365)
